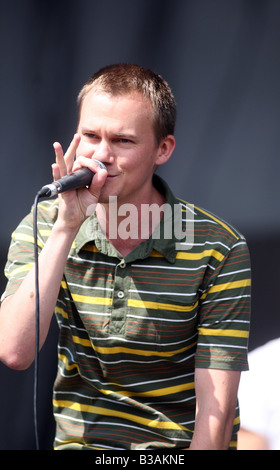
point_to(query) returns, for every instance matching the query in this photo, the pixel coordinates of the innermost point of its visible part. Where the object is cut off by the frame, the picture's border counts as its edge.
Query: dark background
(222, 60)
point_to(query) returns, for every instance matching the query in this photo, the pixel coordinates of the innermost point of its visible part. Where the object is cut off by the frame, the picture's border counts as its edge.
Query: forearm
(216, 397)
(17, 315)
(212, 432)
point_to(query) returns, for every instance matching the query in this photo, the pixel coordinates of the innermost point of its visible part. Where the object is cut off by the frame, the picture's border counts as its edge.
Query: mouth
(110, 177)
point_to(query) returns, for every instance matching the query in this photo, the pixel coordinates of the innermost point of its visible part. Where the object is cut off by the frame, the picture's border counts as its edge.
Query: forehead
(101, 104)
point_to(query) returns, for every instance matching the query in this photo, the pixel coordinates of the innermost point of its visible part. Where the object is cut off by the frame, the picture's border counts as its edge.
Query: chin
(104, 197)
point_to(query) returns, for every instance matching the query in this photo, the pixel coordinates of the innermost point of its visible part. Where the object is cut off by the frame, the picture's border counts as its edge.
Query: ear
(165, 149)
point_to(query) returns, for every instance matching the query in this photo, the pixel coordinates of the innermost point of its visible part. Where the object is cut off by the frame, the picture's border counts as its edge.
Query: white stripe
(89, 287)
(234, 272)
(218, 345)
(173, 268)
(138, 428)
(160, 293)
(184, 320)
(224, 321)
(129, 342)
(90, 312)
(207, 243)
(28, 227)
(226, 298)
(92, 262)
(48, 224)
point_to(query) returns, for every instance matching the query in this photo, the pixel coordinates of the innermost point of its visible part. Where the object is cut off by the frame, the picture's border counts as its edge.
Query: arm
(17, 314)
(216, 395)
(249, 440)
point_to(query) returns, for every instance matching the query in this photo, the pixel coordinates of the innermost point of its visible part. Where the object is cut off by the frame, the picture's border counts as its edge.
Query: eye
(90, 135)
(123, 140)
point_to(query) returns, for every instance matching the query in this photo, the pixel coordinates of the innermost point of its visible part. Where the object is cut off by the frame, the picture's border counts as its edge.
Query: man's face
(119, 132)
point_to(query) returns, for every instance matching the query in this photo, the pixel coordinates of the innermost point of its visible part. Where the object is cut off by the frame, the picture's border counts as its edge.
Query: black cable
(37, 323)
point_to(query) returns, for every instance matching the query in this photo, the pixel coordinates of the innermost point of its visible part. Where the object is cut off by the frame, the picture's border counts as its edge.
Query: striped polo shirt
(133, 329)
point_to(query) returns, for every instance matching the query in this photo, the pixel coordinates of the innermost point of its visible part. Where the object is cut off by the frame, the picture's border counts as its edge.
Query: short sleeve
(20, 256)
(21, 251)
(224, 315)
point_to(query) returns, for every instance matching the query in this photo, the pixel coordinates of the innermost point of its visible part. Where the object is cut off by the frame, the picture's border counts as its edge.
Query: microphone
(78, 179)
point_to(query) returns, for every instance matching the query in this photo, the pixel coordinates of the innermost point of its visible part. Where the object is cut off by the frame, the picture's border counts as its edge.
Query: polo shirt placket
(119, 304)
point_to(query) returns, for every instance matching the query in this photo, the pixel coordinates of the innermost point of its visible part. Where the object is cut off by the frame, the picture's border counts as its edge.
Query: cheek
(85, 149)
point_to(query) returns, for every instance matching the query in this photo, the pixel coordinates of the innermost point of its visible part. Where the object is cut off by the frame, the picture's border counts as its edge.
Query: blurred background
(221, 59)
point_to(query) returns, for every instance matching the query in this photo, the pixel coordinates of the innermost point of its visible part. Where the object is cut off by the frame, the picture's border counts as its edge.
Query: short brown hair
(120, 79)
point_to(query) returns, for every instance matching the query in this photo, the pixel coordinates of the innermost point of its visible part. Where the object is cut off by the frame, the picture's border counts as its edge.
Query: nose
(103, 152)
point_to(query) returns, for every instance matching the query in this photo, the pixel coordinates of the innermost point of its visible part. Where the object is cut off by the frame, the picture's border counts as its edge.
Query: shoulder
(46, 216)
(209, 228)
(47, 210)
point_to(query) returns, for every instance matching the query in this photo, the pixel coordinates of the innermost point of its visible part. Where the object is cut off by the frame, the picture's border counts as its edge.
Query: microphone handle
(78, 179)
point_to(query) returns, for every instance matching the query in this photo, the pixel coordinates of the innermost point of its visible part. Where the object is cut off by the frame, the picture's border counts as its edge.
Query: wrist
(68, 233)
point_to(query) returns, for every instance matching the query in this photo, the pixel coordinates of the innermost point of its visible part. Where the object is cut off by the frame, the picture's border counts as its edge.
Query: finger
(90, 163)
(55, 171)
(70, 155)
(99, 170)
(98, 182)
(60, 168)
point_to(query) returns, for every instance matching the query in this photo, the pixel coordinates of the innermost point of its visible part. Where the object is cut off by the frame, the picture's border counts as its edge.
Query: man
(152, 337)
(259, 390)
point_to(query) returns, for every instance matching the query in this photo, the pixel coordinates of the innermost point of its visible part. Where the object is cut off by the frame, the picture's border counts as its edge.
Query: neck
(128, 225)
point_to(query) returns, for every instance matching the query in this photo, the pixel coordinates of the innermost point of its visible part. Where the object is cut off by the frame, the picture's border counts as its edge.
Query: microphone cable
(75, 180)
(37, 322)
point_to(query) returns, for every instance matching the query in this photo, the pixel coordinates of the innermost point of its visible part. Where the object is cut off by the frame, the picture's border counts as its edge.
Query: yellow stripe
(227, 286)
(214, 332)
(156, 254)
(84, 342)
(223, 224)
(91, 248)
(61, 312)
(140, 352)
(155, 393)
(122, 349)
(48, 207)
(69, 444)
(23, 237)
(66, 363)
(204, 254)
(45, 232)
(236, 421)
(161, 306)
(92, 300)
(193, 256)
(118, 414)
(26, 267)
(72, 444)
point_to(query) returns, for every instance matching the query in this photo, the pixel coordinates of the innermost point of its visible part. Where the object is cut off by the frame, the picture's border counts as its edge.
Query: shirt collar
(165, 245)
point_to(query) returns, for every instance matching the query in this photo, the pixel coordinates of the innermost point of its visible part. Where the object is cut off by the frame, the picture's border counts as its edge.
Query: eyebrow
(125, 135)
(117, 134)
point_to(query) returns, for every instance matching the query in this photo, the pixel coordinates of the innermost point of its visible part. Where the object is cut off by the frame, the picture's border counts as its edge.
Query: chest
(149, 301)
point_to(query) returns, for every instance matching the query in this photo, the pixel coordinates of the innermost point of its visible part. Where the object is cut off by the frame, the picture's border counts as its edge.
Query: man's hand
(73, 204)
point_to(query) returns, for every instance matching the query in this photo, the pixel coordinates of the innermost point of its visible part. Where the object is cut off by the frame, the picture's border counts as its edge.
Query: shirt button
(120, 294)
(122, 264)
